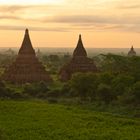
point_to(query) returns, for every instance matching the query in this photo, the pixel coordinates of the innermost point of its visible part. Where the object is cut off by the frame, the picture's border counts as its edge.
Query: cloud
(129, 6)
(26, 12)
(93, 19)
(57, 29)
(18, 8)
(9, 17)
(78, 22)
(61, 18)
(12, 8)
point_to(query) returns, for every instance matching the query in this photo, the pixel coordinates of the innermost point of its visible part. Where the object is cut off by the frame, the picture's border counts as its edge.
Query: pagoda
(132, 52)
(79, 63)
(26, 68)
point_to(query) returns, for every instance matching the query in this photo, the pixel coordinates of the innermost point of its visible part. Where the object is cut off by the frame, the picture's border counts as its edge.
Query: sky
(58, 23)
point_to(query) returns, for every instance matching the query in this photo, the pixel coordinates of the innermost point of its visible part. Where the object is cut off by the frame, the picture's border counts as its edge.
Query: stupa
(26, 67)
(79, 63)
(132, 52)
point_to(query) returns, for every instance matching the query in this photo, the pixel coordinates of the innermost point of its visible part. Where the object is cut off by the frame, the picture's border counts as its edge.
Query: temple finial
(132, 48)
(80, 36)
(26, 31)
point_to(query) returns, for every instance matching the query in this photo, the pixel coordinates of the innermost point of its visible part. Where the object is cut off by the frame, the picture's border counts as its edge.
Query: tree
(121, 82)
(85, 85)
(114, 63)
(136, 91)
(35, 89)
(3, 91)
(104, 93)
(106, 78)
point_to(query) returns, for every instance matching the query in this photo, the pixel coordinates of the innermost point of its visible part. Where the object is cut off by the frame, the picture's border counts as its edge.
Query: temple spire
(26, 31)
(132, 52)
(80, 37)
(79, 50)
(26, 46)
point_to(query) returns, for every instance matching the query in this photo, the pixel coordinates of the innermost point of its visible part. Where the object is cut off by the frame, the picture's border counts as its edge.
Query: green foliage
(106, 78)
(53, 62)
(84, 84)
(35, 89)
(119, 64)
(104, 93)
(114, 63)
(104, 87)
(6, 60)
(136, 90)
(127, 97)
(117, 81)
(3, 91)
(121, 82)
(38, 120)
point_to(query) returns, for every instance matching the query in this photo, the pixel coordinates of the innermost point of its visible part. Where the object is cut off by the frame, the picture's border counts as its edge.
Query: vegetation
(38, 120)
(117, 83)
(78, 108)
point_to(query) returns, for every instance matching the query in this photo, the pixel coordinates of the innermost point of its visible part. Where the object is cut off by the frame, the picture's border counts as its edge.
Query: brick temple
(79, 63)
(26, 67)
(132, 52)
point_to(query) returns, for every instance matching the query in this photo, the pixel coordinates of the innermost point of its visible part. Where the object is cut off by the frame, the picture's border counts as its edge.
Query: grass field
(38, 120)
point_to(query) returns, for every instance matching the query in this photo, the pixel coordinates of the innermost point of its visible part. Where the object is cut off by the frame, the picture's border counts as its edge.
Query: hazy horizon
(69, 50)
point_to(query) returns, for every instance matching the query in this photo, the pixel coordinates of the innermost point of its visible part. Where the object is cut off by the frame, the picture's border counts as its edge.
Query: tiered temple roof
(132, 52)
(26, 67)
(79, 63)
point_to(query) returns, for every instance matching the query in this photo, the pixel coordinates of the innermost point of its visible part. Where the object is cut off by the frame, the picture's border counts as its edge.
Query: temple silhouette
(132, 52)
(79, 63)
(26, 67)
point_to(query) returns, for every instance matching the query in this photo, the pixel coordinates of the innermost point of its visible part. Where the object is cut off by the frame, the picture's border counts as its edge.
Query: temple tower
(26, 67)
(79, 63)
(132, 52)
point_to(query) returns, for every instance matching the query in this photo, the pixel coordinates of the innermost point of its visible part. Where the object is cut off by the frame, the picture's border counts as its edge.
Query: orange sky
(57, 23)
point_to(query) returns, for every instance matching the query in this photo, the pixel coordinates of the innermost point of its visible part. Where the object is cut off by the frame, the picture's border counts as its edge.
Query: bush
(131, 95)
(3, 91)
(104, 93)
(120, 83)
(36, 89)
(84, 85)
(55, 93)
(68, 91)
(9, 92)
(106, 78)
(127, 97)
(52, 100)
(136, 91)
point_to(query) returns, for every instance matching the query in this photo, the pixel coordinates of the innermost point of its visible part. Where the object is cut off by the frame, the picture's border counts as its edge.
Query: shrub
(106, 78)
(35, 89)
(104, 93)
(127, 97)
(68, 91)
(84, 84)
(136, 91)
(55, 93)
(52, 100)
(120, 83)
(3, 91)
